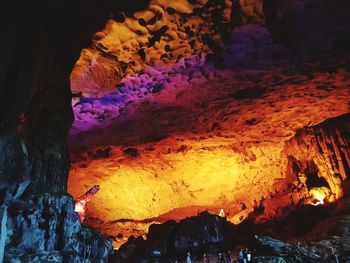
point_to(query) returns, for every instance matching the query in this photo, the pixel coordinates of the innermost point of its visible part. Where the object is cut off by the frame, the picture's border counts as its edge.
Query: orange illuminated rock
(211, 146)
(322, 155)
(163, 33)
(95, 74)
(180, 136)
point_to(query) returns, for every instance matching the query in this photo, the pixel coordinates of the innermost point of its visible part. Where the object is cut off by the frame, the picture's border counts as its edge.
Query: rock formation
(162, 33)
(41, 43)
(189, 116)
(321, 154)
(209, 234)
(277, 251)
(208, 137)
(45, 228)
(172, 240)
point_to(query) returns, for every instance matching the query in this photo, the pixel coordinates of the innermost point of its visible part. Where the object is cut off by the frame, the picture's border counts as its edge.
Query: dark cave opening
(312, 174)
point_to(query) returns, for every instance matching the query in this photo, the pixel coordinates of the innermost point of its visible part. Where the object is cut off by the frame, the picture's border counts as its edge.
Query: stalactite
(328, 147)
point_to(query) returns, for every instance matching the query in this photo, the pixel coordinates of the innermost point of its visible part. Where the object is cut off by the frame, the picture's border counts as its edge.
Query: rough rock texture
(172, 240)
(162, 33)
(277, 251)
(41, 41)
(211, 138)
(322, 152)
(330, 237)
(45, 228)
(208, 234)
(39, 50)
(317, 167)
(9, 194)
(309, 26)
(97, 74)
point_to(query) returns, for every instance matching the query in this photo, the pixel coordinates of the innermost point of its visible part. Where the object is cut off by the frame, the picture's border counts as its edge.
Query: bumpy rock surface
(277, 251)
(330, 237)
(317, 164)
(35, 111)
(209, 234)
(45, 228)
(162, 33)
(41, 42)
(209, 136)
(172, 240)
(322, 154)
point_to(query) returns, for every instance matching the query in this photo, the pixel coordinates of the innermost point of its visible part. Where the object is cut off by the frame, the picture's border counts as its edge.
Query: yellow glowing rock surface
(192, 164)
(319, 194)
(156, 182)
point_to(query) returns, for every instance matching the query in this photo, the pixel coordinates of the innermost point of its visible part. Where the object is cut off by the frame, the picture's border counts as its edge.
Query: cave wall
(46, 229)
(205, 144)
(317, 166)
(42, 41)
(321, 152)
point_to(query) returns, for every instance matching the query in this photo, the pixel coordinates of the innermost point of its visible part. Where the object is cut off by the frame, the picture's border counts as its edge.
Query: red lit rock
(81, 202)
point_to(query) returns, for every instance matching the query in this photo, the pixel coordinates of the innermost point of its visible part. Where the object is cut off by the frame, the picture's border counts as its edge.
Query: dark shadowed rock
(309, 26)
(172, 240)
(249, 93)
(101, 153)
(131, 152)
(45, 228)
(278, 251)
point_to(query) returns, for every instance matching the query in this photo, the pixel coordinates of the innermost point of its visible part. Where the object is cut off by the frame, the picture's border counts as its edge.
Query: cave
(156, 131)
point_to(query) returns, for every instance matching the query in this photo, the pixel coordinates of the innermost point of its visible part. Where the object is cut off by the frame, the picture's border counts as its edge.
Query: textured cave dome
(178, 112)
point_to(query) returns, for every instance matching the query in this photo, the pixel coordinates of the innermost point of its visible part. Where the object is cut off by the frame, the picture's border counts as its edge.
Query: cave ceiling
(174, 114)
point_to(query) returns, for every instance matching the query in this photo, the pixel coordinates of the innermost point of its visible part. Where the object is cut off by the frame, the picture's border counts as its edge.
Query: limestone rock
(322, 154)
(279, 251)
(171, 239)
(45, 228)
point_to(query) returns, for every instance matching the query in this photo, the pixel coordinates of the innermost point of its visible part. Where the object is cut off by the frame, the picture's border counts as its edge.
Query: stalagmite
(81, 202)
